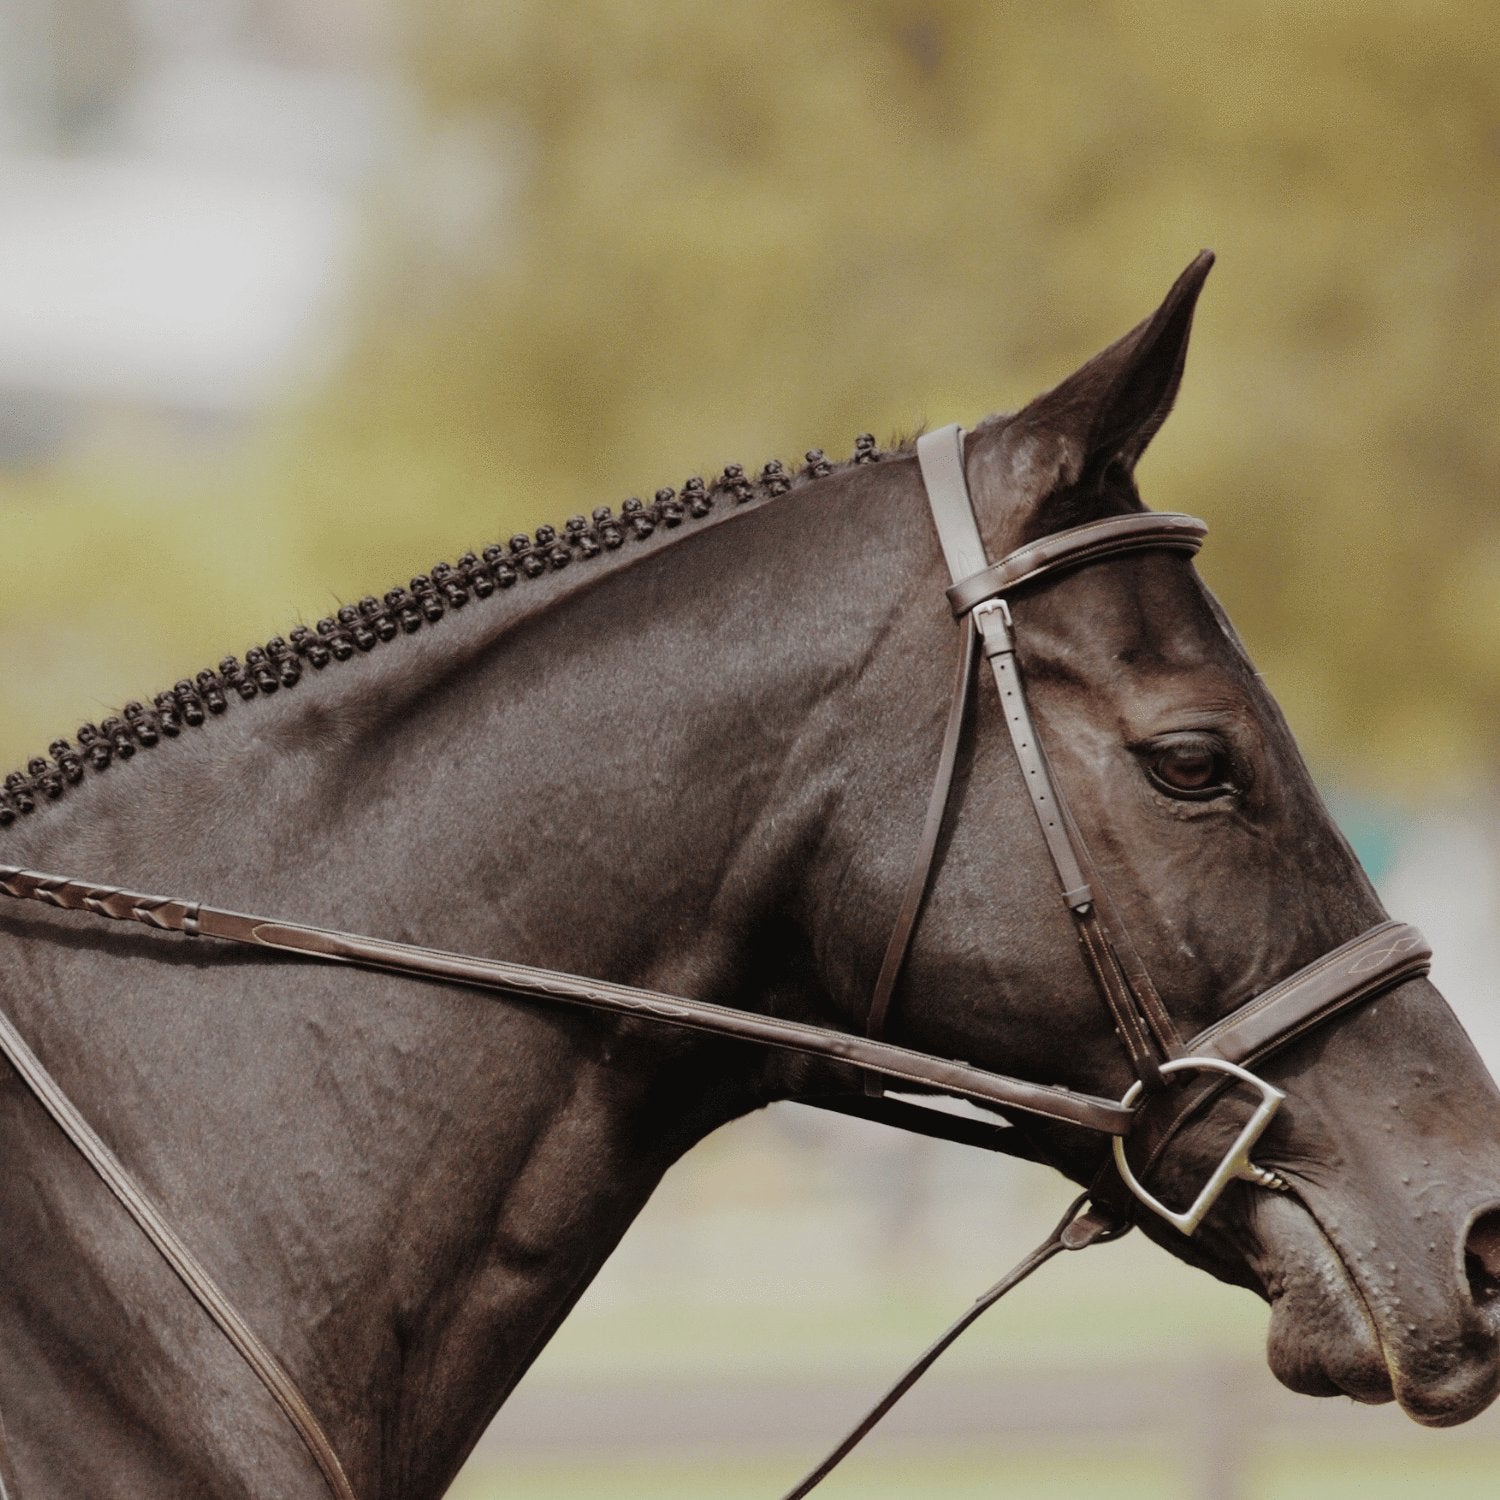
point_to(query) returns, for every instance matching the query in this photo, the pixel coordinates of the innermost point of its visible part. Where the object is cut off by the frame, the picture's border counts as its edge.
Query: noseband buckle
(1236, 1162)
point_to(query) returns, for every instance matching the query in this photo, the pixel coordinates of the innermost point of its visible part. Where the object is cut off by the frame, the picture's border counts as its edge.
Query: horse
(682, 747)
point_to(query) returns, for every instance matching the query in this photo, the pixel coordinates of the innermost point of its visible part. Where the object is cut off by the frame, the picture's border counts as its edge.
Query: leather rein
(1386, 955)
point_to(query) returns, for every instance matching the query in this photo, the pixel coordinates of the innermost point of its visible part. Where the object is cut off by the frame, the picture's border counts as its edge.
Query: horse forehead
(1148, 590)
(1165, 698)
(1142, 651)
(1127, 626)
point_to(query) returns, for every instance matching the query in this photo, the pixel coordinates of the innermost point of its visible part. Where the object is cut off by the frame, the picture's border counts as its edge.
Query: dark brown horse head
(1382, 1261)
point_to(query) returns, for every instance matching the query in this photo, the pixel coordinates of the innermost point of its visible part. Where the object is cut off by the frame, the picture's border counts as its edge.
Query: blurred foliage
(632, 242)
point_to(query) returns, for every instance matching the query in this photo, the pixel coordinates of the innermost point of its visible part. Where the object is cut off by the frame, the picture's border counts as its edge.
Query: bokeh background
(297, 296)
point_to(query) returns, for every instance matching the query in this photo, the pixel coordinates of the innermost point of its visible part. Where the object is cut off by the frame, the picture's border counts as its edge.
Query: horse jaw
(1339, 1328)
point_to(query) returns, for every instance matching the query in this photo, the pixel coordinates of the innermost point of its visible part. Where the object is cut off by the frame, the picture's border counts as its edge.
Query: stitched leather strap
(1377, 960)
(1074, 547)
(1063, 844)
(993, 620)
(139, 1206)
(1145, 1029)
(950, 1077)
(1123, 954)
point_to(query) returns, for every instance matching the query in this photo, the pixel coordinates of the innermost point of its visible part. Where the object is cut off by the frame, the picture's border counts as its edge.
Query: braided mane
(281, 663)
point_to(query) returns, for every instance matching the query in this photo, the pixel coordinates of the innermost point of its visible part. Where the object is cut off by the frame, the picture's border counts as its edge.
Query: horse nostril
(1482, 1258)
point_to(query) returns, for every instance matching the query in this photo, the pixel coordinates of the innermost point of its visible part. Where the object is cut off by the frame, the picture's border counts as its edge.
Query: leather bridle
(980, 594)
(1386, 955)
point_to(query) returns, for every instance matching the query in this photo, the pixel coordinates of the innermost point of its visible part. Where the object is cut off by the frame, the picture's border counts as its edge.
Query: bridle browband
(1386, 955)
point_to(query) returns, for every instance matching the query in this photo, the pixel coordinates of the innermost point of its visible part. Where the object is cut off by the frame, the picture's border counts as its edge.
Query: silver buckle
(1236, 1162)
(998, 605)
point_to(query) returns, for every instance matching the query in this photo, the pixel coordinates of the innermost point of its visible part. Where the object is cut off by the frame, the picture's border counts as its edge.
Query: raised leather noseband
(1384, 956)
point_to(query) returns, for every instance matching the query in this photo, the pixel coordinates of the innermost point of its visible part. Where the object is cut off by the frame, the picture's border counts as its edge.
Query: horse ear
(1106, 412)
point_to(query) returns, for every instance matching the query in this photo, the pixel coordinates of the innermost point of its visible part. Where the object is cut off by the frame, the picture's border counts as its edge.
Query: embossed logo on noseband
(1377, 958)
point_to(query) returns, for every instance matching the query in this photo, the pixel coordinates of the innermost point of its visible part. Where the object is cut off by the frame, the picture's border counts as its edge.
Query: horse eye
(1190, 765)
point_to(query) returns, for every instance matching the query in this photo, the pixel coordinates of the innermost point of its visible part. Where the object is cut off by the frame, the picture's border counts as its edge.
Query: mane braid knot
(775, 478)
(356, 629)
(732, 482)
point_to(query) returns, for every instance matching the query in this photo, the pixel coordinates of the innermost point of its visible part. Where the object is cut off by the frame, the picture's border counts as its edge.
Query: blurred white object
(1446, 879)
(165, 284)
(179, 202)
(250, 118)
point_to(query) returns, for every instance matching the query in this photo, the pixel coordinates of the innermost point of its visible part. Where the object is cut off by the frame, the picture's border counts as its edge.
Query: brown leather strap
(951, 1077)
(1123, 953)
(1130, 1022)
(921, 867)
(940, 455)
(1074, 547)
(1139, 1017)
(1376, 960)
(1076, 1230)
(1139, 1038)
(139, 1206)
(993, 620)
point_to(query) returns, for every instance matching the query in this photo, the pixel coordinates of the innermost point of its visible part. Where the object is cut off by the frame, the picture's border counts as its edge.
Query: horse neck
(613, 781)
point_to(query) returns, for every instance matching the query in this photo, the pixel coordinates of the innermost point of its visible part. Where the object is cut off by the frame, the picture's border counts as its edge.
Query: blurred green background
(605, 245)
(298, 296)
